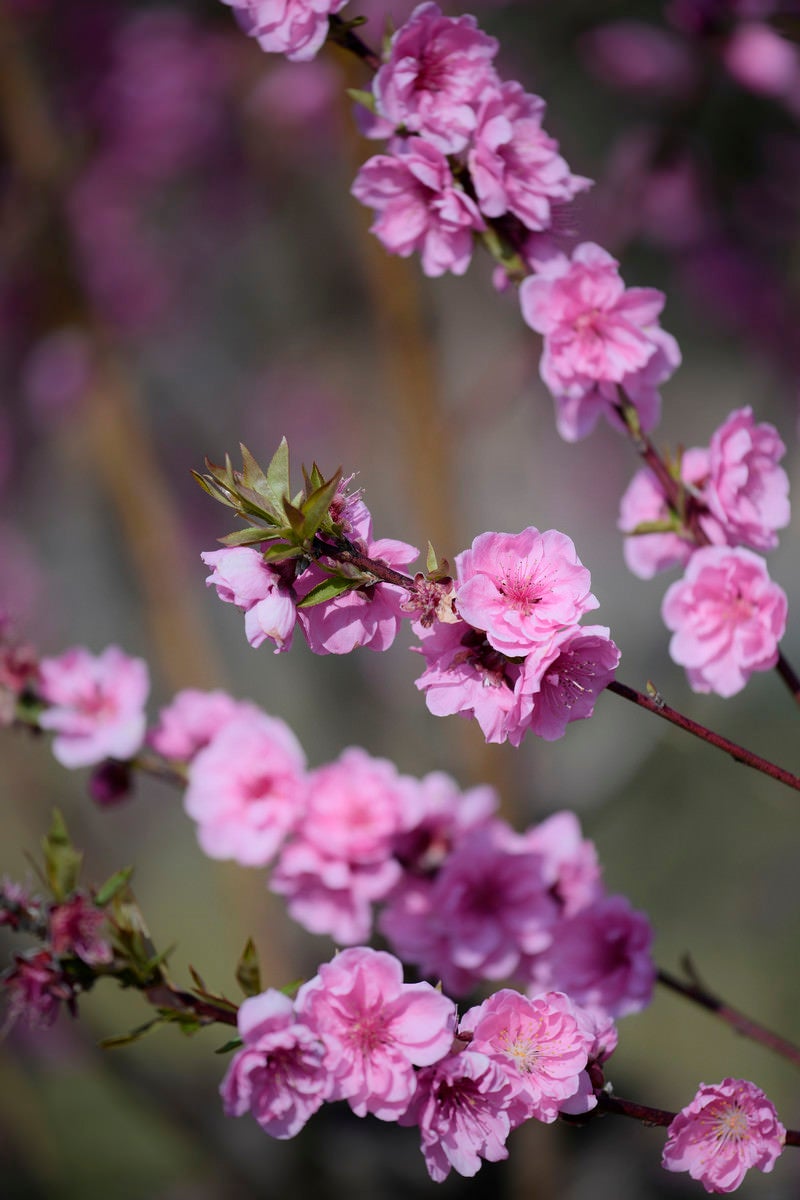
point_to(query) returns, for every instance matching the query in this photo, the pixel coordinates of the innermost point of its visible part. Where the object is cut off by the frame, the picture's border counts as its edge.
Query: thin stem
(656, 705)
(693, 990)
(619, 1107)
(341, 33)
(345, 553)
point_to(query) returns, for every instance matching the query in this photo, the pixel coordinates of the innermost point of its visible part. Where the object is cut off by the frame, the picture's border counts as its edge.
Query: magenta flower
(522, 587)
(296, 28)
(747, 491)
(74, 928)
(728, 1128)
(727, 617)
(438, 69)
(487, 909)
(514, 165)
(461, 1108)
(419, 207)
(34, 988)
(601, 958)
(368, 616)
(278, 1075)
(643, 501)
(246, 789)
(541, 1048)
(376, 1029)
(191, 720)
(565, 683)
(438, 815)
(96, 705)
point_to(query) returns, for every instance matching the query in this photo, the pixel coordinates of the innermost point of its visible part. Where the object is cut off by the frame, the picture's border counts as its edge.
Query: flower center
(729, 1124)
(519, 589)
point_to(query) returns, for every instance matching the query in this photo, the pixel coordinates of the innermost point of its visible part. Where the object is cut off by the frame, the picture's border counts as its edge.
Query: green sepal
(365, 99)
(62, 862)
(329, 589)
(431, 561)
(113, 886)
(233, 1044)
(248, 973)
(645, 527)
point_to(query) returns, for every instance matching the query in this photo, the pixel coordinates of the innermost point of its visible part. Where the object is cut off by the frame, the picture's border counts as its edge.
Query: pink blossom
(569, 861)
(461, 1108)
(273, 617)
(640, 57)
(96, 705)
(437, 70)
(465, 675)
(566, 682)
(644, 501)
(747, 491)
(278, 1074)
(727, 617)
(331, 895)
(246, 789)
(419, 207)
(296, 28)
(74, 928)
(760, 59)
(368, 616)
(728, 1128)
(521, 587)
(35, 988)
(191, 720)
(601, 958)
(438, 815)
(240, 575)
(598, 335)
(539, 1045)
(487, 908)
(376, 1029)
(514, 165)
(16, 904)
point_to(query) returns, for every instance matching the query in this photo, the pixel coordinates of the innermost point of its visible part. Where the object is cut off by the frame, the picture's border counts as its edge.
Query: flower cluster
(516, 658)
(727, 616)
(357, 1032)
(465, 146)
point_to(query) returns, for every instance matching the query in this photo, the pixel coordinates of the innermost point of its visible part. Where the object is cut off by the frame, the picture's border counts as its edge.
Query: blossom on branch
(96, 704)
(191, 719)
(727, 618)
(728, 1128)
(747, 491)
(296, 28)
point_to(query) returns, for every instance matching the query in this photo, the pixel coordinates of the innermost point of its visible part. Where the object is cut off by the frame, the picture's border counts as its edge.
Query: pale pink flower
(438, 68)
(369, 616)
(465, 675)
(191, 720)
(747, 491)
(273, 617)
(728, 1128)
(438, 815)
(760, 59)
(461, 1107)
(96, 704)
(522, 587)
(643, 501)
(486, 910)
(541, 1048)
(515, 167)
(376, 1029)
(240, 575)
(74, 928)
(278, 1074)
(566, 682)
(246, 789)
(727, 617)
(601, 958)
(296, 28)
(419, 206)
(569, 861)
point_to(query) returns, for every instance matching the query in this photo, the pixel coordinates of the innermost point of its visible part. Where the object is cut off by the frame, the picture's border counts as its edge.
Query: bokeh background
(181, 269)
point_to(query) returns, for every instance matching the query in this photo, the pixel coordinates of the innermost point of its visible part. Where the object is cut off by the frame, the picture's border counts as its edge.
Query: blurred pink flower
(34, 989)
(296, 28)
(376, 1029)
(727, 617)
(74, 928)
(728, 1128)
(96, 704)
(191, 720)
(639, 57)
(747, 491)
(569, 861)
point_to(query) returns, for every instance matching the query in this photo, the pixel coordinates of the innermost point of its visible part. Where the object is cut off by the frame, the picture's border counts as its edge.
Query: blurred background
(181, 269)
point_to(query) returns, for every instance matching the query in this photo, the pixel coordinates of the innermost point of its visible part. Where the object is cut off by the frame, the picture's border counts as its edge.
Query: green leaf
(233, 1044)
(277, 478)
(248, 973)
(247, 537)
(281, 552)
(62, 862)
(365, 99)
(291, 989)
(113, 886)
(644, 527)
(125, 1039)
(329, 589)
(315, 508)
(295, 517)
(431, 562)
